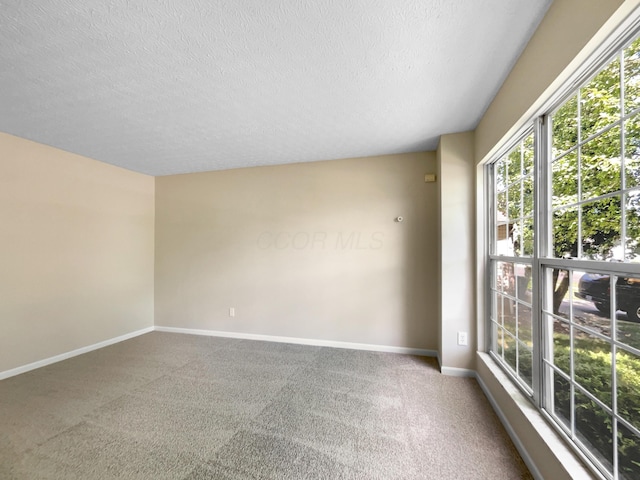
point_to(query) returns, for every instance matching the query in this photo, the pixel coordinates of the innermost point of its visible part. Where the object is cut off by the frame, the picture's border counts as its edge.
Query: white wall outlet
(462, 338)
(232, 312)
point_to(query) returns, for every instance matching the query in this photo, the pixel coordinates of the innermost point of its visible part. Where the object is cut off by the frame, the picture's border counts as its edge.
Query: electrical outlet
(462, 338)
(232, 312)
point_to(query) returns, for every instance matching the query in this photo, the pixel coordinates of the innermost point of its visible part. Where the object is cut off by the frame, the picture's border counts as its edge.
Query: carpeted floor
(172, 406)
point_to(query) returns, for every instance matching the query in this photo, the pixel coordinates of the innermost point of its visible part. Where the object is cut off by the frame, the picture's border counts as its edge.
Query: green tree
(590, 182)
(595, 169)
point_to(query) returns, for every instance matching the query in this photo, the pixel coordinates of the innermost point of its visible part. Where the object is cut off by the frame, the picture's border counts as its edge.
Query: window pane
(527, 196)
(561, 399)
(628, 379)
(527, 237)
(632, 76)
(500, 275)
(601, 223)
(524, 324)
(500, 342)
(509, 316)
(502, 246)
(505, 278)
(628, 453)
(499, 314)
(510, 351)
(527, 155)
(525, 364)
(628, 333)
(632, 211)
(565, 232)
(565, 127)
(514, 201)
(523, 281)
(560, 353)
(501, 176)
(559, 293)
(516, 234)
(564, 180)
(600, 100)
(501, 206)
(514, 205)
(600, 165)
(593, 428)
(592, 365)
(592, 302)
(632, 151)
(514, 165)
(564, 309)
(628, 297)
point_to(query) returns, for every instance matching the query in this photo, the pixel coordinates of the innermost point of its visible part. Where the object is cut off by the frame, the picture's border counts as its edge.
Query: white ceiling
(175, 86)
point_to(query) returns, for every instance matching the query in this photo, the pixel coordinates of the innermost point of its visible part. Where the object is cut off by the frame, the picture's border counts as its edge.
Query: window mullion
(579, 172)
(623, 177)
(613, 279)
(490, 248)
(540, 248)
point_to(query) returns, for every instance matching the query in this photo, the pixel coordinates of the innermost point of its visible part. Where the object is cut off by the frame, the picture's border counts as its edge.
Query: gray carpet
(171, 406)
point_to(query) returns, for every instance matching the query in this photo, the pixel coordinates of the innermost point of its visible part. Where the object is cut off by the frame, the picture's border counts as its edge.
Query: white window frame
(542, 258)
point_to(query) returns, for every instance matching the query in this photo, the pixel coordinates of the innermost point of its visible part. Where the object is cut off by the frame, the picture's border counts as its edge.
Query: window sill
(544, 451)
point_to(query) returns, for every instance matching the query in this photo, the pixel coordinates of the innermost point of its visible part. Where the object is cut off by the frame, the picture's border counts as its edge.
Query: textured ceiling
(175, 86)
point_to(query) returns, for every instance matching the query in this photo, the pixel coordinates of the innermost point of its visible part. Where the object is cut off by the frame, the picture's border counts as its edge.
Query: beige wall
(307, 250)
(457, 251)
(77, 252)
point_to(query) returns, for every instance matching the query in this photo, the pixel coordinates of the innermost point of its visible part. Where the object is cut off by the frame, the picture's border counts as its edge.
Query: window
(564, 264)
(511, 283)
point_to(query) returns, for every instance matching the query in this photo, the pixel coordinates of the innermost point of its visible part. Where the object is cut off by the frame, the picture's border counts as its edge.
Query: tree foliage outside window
(589, 186)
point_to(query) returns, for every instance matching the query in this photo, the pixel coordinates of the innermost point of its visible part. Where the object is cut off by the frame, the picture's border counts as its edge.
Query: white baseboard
(300, 341)
(514, 437)
(457, 372)
(217, 333)
(72, 353)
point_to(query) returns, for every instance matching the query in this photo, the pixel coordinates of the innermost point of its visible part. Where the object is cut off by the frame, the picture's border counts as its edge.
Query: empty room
(320, 240)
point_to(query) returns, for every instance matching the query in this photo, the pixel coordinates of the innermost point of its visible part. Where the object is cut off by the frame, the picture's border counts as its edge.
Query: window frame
(543, 256)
